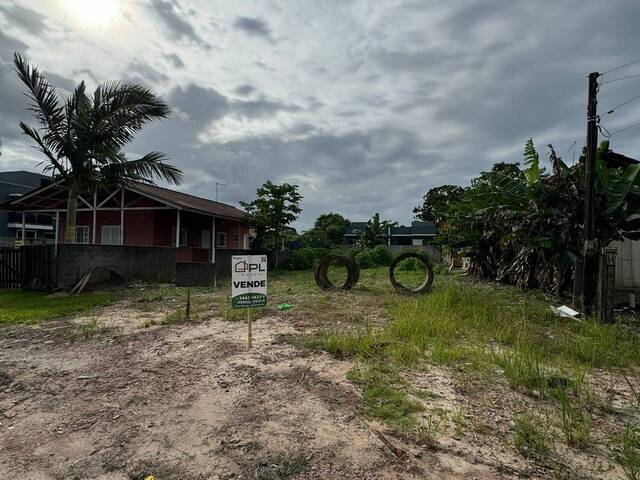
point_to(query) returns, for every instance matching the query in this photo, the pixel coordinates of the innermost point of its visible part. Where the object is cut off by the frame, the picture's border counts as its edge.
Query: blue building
(38, 227)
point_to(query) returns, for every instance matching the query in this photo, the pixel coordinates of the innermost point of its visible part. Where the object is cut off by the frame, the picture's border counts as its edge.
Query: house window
(183, 237)
(236, 239)
(221, 239)
(82, 234)
(111, 235)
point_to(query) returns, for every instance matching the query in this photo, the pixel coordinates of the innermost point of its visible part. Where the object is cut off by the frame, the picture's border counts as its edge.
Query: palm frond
(45, 106)
(119, 111)
(43, 147)
(143, 169)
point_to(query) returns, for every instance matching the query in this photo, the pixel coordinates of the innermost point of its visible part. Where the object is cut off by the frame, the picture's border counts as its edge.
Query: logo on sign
(243, 266)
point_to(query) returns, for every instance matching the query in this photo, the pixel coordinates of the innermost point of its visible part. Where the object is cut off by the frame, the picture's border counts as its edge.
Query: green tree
(372, 233)
(328, 230)
(436, 201)
(526, 228)
(274, 209)
(82, 138)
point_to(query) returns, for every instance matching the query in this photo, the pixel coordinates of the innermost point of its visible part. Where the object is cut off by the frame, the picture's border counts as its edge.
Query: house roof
(191, 202)
(416, 229)
(50, 196)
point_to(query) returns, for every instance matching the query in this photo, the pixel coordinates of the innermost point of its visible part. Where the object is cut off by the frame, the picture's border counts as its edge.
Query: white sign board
(248, 281)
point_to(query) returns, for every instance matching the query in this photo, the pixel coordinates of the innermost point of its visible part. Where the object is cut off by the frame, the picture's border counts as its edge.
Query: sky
(364, 104)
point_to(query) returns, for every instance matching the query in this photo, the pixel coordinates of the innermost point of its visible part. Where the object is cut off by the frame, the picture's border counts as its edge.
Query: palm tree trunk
(72, 211)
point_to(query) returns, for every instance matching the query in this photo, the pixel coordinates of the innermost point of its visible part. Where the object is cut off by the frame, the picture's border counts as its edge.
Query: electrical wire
(618, 79)
(622, 104)
(625, 128)
(621, 67)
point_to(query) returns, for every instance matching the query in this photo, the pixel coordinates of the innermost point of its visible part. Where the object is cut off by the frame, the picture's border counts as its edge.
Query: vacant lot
(470, 381)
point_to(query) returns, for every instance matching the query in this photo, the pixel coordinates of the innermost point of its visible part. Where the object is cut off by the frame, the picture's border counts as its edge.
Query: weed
(175, 316)
(427, 430)
(279, 466)
(459, 420)
(531, 436)
(575, 421)
(627, 450)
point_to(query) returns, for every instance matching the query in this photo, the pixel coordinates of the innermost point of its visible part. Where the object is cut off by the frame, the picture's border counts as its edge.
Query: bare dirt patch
(132, 389)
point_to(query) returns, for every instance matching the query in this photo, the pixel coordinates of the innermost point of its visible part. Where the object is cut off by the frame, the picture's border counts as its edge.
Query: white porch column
(213, 239)
(55, 242)
(122, 216)
(23, 230)
(95, 205)
(178, 228)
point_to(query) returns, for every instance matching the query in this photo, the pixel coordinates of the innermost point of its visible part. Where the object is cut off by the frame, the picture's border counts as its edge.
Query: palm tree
(82, 138)
(373, 231)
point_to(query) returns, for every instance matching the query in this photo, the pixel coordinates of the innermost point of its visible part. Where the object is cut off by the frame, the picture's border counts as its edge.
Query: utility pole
(587, 272)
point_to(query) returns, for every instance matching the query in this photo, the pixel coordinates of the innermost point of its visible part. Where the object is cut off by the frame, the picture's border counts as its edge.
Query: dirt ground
(119, 396)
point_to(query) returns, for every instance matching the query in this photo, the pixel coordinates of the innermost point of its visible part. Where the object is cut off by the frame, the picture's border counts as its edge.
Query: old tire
(420, 290)
(353, 272)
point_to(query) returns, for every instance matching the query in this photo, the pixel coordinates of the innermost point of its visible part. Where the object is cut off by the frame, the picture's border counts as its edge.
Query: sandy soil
(190, 401)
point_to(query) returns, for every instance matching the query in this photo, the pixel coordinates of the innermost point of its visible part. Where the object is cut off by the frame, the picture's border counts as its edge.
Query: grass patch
(484, 329)
(279, 466)
(627, 450)
(385, 397)
(20, 307)
(532, 437)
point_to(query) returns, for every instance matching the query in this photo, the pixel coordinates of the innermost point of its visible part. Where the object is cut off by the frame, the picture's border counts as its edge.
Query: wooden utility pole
(587, 271)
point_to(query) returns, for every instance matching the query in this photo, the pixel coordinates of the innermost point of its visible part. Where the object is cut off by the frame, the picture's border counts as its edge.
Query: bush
(364, 259)
(381, 255)
(304, 259)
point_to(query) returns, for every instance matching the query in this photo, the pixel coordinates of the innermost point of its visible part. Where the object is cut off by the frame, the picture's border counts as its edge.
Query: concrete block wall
(151, 264)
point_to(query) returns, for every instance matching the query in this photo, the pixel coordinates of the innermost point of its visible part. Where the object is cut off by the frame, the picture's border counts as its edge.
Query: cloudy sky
(364, 104)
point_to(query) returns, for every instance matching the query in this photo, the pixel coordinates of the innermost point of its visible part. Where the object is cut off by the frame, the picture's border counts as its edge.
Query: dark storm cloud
(144, 73)
(245, 90)
(25, 18)
(175, 60)
(206, 105)
(254, 27)
(12, 103)
(169, 12)
(202, 105)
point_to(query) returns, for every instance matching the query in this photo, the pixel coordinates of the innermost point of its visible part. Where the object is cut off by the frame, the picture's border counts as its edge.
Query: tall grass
(466, 319)
(474, 326)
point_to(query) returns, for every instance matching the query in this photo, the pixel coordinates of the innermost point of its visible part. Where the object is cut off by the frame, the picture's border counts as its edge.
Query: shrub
(381, 255)
(364, 259)
(304, 259)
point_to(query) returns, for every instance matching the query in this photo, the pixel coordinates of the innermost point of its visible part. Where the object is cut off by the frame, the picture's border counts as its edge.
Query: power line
(621, 78)
(625, 128)
(622, 104)
(605, 133)
(621, 67)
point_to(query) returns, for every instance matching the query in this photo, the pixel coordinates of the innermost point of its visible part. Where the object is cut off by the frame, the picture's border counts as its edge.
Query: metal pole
(95, 205)
(122, 216)
(23, 228)
(178, 229)
(55, 242)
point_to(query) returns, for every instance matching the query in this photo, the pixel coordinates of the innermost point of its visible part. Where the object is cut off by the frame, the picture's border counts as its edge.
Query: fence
(11, 268)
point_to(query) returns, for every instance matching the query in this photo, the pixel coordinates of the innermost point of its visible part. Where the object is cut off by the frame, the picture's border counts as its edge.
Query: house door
(205, 242)
(111, 235)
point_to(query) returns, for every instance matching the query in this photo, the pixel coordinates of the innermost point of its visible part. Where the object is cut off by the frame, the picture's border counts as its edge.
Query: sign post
(248, 284)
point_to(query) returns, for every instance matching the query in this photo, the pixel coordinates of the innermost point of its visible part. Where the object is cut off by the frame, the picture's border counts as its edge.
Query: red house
(143, 215)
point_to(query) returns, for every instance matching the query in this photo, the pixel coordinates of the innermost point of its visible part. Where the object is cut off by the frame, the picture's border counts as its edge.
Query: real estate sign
(248, 281)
